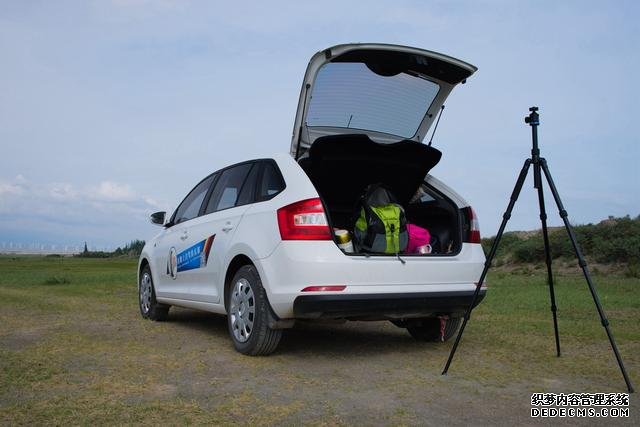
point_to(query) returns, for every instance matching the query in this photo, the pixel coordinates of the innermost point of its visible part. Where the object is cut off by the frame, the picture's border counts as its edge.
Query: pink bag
(418, 237)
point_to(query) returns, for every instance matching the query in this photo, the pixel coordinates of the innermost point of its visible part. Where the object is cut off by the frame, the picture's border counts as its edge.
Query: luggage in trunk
(381, 225)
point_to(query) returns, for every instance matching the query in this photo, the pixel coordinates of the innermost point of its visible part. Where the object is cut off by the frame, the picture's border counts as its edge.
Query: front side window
(227, 189)
(190, 206)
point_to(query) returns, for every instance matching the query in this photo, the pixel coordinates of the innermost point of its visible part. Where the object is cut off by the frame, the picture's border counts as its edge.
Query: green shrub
(633, 270)
(132, 250)
(614, 240)
(529, 250)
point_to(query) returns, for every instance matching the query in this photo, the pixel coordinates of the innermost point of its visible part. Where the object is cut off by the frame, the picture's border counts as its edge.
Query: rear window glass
(272, 182)
(350, 95)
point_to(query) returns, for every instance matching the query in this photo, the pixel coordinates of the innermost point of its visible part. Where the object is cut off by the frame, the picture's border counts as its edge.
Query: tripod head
(533, 119)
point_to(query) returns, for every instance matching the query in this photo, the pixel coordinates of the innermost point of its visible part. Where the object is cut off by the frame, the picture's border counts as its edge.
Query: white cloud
(62, 191)
(153, 202)
(73, 213)
(13, 187)
(112, 192)
(19, 193)
(9, 188)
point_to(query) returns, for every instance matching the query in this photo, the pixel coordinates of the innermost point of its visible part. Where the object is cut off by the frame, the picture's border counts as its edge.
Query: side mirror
(158, 217)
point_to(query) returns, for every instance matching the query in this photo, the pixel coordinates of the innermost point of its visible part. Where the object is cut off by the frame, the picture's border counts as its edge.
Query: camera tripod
(540, 167)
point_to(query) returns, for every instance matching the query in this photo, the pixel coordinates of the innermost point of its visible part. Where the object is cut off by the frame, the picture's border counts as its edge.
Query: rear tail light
(304, 220)
(474, 226)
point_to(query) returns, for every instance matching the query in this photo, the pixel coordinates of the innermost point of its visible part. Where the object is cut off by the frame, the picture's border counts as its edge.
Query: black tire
(149, 307)
(428, 329)
(245, 293)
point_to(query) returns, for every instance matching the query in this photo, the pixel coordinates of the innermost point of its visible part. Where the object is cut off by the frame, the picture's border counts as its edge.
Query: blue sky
(110, 110)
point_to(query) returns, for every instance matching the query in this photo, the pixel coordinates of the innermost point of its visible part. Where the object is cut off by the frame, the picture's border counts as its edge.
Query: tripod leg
(492, 253)
(547, 251)
(585, 271)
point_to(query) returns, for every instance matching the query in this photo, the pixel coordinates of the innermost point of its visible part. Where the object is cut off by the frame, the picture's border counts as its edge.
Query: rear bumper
(295, 265)
(383, 306)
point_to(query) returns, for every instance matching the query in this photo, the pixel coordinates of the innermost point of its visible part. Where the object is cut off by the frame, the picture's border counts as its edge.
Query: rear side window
(248, 191)
(227, 190)
(190, 206)
(272, 182)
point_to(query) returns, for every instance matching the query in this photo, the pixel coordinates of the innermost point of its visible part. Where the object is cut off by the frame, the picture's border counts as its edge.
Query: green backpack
(380, 225)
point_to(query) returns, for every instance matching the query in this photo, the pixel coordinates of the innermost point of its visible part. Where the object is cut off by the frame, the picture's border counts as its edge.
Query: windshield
(350, 95)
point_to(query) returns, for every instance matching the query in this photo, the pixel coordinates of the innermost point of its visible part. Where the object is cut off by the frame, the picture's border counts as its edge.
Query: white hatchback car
(255, 240)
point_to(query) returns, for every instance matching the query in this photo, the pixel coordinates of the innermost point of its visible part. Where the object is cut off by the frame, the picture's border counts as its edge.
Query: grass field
(74, 350)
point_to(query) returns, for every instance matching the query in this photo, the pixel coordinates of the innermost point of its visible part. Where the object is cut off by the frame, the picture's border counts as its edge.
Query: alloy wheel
(242, 310)
(145, 293)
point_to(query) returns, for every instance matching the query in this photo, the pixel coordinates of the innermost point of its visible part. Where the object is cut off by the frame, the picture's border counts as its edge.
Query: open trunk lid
(389, 93)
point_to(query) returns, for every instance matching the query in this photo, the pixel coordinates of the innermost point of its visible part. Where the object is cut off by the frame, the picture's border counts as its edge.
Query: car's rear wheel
(428, 329)
(149, 307)
(248, 314)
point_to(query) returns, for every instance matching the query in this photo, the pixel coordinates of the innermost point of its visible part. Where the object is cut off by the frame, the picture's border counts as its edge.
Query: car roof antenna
(436, 126)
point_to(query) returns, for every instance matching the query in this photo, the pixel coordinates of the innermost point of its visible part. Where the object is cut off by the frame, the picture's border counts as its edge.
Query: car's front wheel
(248, 314)
(149, 307)
(432, 329)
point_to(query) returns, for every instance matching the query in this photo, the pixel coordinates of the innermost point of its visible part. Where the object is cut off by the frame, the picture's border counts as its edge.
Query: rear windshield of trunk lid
(350, 95)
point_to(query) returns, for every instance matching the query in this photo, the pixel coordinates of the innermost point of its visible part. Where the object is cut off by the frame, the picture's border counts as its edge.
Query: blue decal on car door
(195, 256)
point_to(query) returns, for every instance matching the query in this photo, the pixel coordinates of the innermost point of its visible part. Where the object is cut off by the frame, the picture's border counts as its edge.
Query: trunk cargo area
(342, 166)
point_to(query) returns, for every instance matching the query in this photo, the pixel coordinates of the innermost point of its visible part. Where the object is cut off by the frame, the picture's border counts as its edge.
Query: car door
(225, 205)
(176, 246)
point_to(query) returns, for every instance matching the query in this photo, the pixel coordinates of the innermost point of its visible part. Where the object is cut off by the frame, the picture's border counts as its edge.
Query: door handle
(227, 227)
(184, 236)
